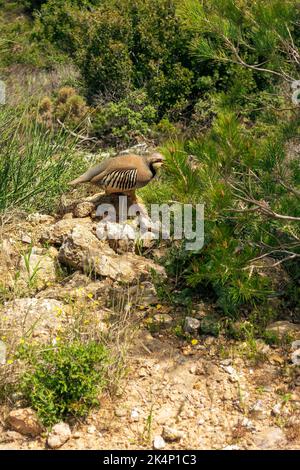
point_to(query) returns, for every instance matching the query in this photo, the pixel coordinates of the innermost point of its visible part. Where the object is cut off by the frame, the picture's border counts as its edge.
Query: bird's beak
(157, 165)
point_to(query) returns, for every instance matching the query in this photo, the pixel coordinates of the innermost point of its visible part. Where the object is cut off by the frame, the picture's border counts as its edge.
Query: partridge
(123, 174)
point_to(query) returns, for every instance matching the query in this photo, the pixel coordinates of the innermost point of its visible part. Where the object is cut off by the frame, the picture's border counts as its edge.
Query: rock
(82, 250)
(121, 237)
(295, 345)
(172, 434)
(262, 347)
(231, 447)
(257, 410)
(270, 438)
(83, 209)
(42, 317)
(191, 325)
(295, 357)
(37, 270)
(57, 232)
(24, 421)
(162, 318)
(91, 429)
(77, 286)
(2, 353)
(12, 436)
(38, 218)
(283, 328)
(59, 434)
(232, 372)
(276, 410)
(248, 424)
(8, 258)
(120, 412)
(134, 415)
(25, 238)
(144, 293)
(158, 443)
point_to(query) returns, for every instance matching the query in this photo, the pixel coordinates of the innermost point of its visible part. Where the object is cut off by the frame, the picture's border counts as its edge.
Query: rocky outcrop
(57, 232)
(32, 317)
(82, 250)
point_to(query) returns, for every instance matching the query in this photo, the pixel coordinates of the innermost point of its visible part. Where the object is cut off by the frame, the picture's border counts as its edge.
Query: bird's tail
(78, 180)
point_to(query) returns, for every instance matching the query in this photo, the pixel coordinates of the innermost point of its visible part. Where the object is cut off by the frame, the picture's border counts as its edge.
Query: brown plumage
(122, 174)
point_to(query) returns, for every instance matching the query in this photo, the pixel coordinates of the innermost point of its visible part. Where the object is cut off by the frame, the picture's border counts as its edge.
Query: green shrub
(64, 381)
(248, 184)
(124, 120)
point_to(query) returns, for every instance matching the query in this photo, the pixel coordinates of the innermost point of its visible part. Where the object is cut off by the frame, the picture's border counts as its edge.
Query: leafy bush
(123, 46)
(65, 380)
(124, 120)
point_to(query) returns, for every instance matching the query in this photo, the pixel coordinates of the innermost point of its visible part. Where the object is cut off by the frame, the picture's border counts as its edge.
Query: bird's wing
(118, 178)
(91, 173)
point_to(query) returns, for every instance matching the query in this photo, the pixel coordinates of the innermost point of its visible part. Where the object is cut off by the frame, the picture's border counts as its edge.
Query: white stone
(59, 434)
(158, 443)
(295, 357)
(134, 415)
(191, 325)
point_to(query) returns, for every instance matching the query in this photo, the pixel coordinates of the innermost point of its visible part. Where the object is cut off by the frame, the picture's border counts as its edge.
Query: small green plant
(31, 272)
(210, 325)
(65, 380)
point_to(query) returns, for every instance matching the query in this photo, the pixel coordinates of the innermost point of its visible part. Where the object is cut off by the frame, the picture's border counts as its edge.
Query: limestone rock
(82, 250)
(295, 357)
(83, 209)
(8, 258)
(77, 286)
(158, 443)
(59, 434)
(37, 218)
(57, 232)
(41, 317)
(191, 325)
(172, 434)
(24, 421)
(283, 328)
(163, 319)
(270, 438)
(120, 236)
(38, 270)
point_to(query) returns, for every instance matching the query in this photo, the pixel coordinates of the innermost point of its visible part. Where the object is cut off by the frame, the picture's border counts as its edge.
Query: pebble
(91, 429)
(25, 238)
(295, 345)
(172, 434)
(120, 412)
(134, 415)
(295, 357)
(276, 410)
(191, 325)
(59, 434)
(257, 410)
(158, 443)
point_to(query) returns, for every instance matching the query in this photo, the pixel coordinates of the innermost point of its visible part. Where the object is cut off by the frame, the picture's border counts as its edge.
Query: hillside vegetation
(214, 86)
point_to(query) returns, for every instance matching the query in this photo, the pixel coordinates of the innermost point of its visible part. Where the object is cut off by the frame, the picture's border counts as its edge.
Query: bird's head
(156, 160)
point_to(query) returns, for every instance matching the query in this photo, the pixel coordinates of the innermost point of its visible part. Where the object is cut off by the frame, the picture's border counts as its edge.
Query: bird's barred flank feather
(120, 179)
